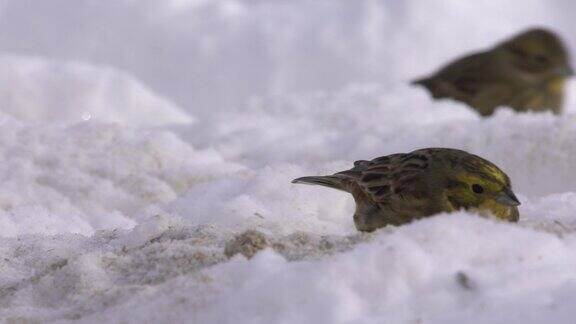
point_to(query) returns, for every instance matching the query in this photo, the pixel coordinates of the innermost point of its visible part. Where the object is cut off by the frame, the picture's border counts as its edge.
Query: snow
(140, 140)
(83, 177)
(37, 89)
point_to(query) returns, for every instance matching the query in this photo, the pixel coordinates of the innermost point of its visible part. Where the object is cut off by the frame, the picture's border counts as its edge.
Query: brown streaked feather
(397, 176)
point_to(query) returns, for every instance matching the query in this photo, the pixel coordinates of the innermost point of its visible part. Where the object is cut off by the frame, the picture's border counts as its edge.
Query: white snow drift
(91, 176)
(36, 89)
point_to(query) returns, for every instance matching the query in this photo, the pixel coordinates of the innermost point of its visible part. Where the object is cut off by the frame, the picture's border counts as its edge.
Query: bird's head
(478, 185)
(537, 53)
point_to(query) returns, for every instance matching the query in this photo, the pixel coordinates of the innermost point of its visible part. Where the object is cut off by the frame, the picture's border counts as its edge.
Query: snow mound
(83, 177)
(37, 89)
(266, 200)
(447, 269)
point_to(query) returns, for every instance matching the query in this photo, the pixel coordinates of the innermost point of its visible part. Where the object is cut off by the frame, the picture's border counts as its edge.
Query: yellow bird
(399, 188)
(526, 72)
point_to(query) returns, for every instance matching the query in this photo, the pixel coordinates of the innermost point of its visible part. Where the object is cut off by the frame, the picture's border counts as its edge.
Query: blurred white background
(214, 55)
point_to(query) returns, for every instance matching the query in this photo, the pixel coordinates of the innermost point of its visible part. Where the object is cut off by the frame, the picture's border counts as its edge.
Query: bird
(525, 72)
(399, 188)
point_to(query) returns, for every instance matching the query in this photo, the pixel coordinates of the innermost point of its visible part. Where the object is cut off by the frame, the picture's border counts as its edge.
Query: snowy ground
(139, 139)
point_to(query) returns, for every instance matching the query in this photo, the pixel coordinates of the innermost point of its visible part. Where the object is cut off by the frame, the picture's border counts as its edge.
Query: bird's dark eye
(477, 188)
(541, 59)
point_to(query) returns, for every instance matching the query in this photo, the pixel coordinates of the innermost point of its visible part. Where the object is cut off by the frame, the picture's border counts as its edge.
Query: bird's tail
(334, 182)
(421, 82)
(432, 86)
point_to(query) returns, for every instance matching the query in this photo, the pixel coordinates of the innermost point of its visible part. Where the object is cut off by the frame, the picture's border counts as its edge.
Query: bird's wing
(393, 177)
(465, 78)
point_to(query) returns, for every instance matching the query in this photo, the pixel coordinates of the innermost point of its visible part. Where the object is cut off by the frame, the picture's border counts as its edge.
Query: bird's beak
(565, 71)
(507, 197)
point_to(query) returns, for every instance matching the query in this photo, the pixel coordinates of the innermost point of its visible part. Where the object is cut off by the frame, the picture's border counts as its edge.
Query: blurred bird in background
(399, 188)
(526, 72)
